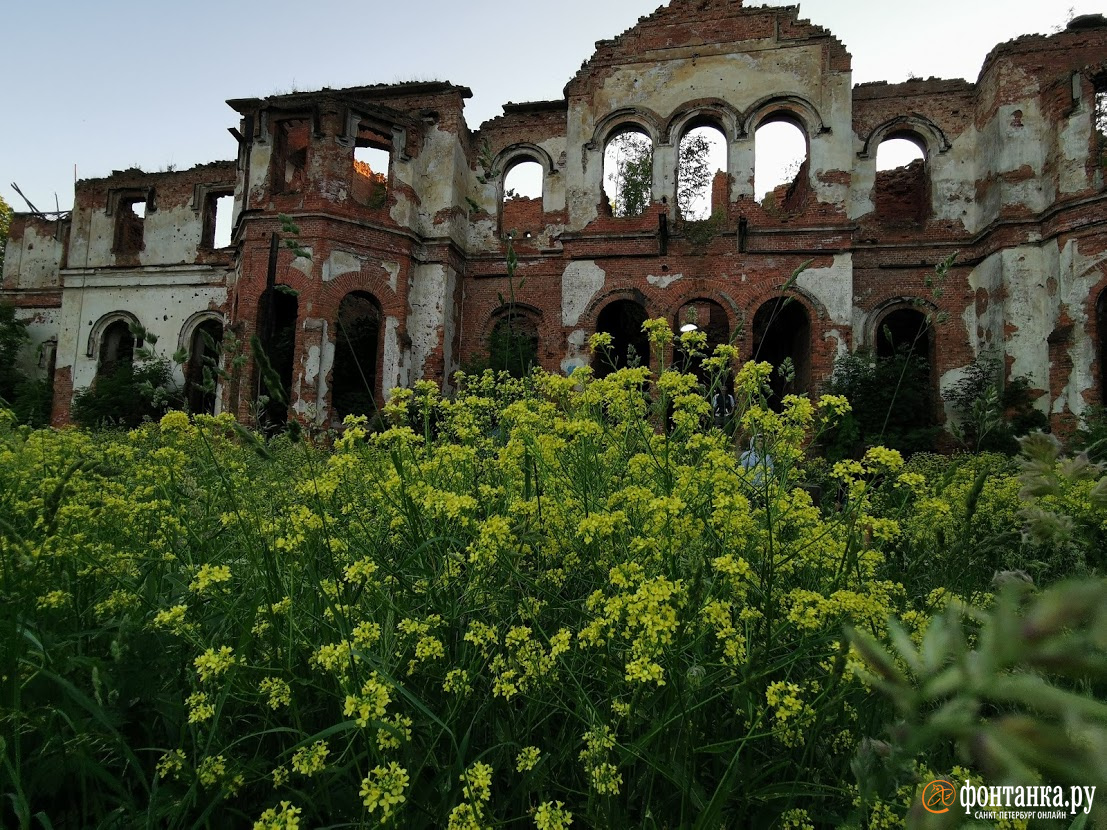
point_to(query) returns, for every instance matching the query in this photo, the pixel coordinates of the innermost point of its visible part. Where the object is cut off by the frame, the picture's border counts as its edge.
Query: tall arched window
(780, 164)
(903, 328)
(522, 199)
(203, 361)
(782, 337)
(628, 172)
(623, 320)
(901, 194)
(513, 343)
(356, 355)
(702, 185)
(117, 348)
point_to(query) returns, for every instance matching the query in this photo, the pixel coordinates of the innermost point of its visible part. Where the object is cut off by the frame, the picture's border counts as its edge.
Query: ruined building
(401, 206)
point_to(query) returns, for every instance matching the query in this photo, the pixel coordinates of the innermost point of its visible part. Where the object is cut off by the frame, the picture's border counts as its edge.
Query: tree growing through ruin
(5, 224)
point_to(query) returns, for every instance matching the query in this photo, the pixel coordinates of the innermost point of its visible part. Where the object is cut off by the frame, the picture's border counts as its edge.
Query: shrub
(126, 396)
(566, 600)
(992, 415)
(890, 400)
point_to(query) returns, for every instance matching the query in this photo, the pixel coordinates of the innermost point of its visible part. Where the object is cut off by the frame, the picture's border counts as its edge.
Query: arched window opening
(903, 329)
(710, 318)
(702, 186)
(780, 166)
(628, 173)
(522, 202)
(782, 337)
(292, 138)
(513, 344)
(117, 348)
(902, 191)
(623, 320)
(277, 321)
(203, 363)
(356, 353)
(372, 167)
(1101, 328)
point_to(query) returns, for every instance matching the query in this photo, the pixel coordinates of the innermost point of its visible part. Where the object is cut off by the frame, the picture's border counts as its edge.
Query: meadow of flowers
(548, 602)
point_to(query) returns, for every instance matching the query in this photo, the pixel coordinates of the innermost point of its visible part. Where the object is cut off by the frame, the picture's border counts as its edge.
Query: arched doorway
(117, 348)
(513, 344)
(782, 337)
(200, 371)
(356, 355)
(623, 320)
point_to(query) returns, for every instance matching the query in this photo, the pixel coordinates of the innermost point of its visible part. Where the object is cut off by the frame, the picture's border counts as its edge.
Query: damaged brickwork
(402, 207)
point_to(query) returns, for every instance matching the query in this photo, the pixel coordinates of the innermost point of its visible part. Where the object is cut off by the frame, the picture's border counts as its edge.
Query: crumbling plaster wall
(162, 302)
(33, 254)
(655, 88)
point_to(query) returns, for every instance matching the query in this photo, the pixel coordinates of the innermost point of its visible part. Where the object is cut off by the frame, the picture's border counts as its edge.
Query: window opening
(372, 168)
(218, 212)
(522, 202)
(130, 225)
(780, 166)
(902, 189)
(293, 138)
(702, 186)
(356, 351)
(628, 173)
(782, 337)
(630, 347)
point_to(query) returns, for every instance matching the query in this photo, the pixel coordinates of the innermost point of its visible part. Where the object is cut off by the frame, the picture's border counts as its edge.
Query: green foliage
(694, 172)
(5, 223)
(28, 398)
(991, 415)
(1091, 437)
(127, 395)
(1017, 688)
(543, 596)
(633, 177)
(891, 403)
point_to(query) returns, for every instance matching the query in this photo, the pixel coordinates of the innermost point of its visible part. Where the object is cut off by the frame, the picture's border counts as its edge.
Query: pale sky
(118, 83)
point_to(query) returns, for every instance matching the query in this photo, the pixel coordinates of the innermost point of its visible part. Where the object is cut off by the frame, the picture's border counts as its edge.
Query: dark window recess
(130, 222)
(117, 347)
(782, 337)
(290, 155)
(278, 318)
(513, 344)
(356, 354)
(630, 346)
(203, 363)
(904, 329)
